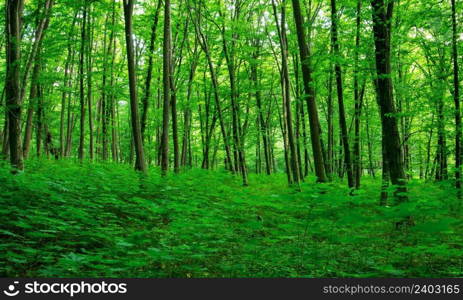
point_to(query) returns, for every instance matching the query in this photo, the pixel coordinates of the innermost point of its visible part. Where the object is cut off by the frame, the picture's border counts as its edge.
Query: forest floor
(64, 219)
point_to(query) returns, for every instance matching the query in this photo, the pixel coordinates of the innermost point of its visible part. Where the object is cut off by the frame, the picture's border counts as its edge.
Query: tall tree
(456, 99)
(149, 72)
(43, 19)
(89, 71)
(229, 49)
(358, 97)
(205, 47)
(309, 94)
(293, 166)
(382, 15)
(140, 164)
(83, 39)
(166, 70)
(261, 119)
(13, 24)
(105, 98)
(340, 92)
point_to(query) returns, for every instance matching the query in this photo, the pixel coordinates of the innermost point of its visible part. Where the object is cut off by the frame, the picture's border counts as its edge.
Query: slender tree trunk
(173, 101)
(339, 86)
(43, 20)
(30, 110)
(14, 12)
(38, 36)
(456, 99)
(369, 143)
(382, 16)
(298, 113)
(357, 106)
(238, 144)
(140, 164)
(105, 105)
(428, 149)
(309, 94)
(167, 48)
(441, 151)
(5, 143)
(149, 74)
(287, 99)
(70, 118)
(307, 164)
(186, 140)
(385, 176)
(261, 120)
(81, 82)
(65, 93)
(115, 149)
(40, 121)
(204, 46)
(330, 155)
(89, 83)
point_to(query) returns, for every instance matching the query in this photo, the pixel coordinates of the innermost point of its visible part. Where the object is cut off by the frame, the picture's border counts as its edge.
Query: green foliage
(66, 219)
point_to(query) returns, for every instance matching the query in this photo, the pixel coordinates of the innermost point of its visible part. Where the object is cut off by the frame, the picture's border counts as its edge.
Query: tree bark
(293, 160)
(205, 47)
(340, 94)
(382, 16)
(140, 164)
(149, 72)
(105, 106)
(89, 83)
(81, 83)
(456, 99)
(357, 101)
(167, 48)
(261, 120)
(13, 24)
(42, 25)
(229, 53)
(186, 139)
(309, 94)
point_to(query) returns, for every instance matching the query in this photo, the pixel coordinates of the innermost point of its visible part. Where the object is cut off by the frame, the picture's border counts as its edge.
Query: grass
(63, 219)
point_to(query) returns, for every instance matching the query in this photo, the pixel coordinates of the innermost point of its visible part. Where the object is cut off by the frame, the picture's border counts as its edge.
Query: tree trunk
(105, 106)
(140, 164)
(38, 36)
(149, 73)
(81, 82)
(14, 12)
(166, 88)
(42, 25)
(382, 16)
(229, 53)
(357, 101)
(287, 99)
(89, 84)
(33, 103)
(204, 46)
(339, 87)
(309, 94)
(456, 99)
(261, 120)
(330, 155)
(186, 140)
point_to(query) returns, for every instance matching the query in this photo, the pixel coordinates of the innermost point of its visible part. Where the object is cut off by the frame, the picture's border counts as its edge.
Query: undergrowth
(65, 219)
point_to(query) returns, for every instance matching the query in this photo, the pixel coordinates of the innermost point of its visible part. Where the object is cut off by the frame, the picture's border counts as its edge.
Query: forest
(231, 138)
